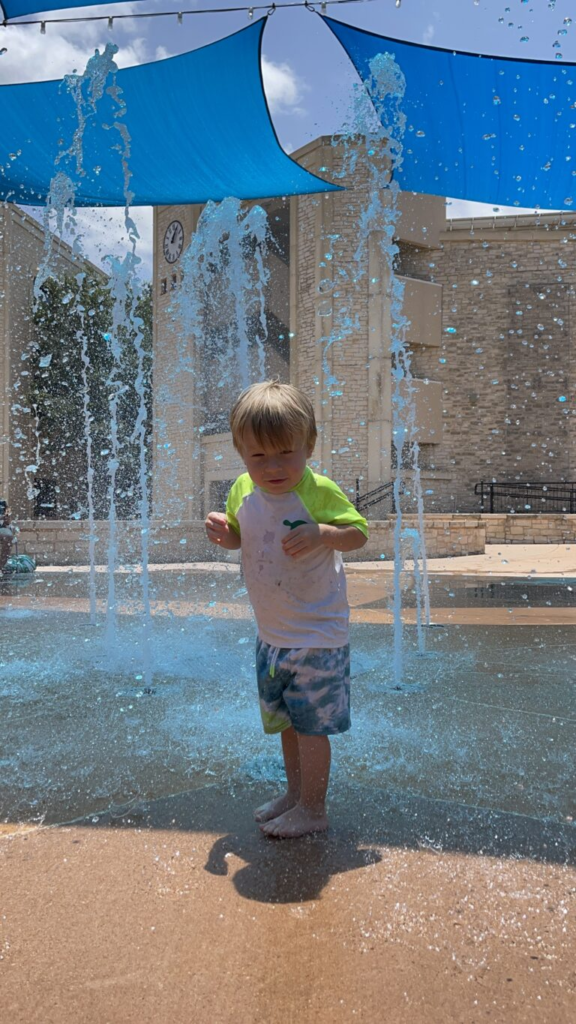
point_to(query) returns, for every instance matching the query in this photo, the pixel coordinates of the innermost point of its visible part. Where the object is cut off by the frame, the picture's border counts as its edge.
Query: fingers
(216, 517)
(216, 526)
(301, 540)
(294, 547)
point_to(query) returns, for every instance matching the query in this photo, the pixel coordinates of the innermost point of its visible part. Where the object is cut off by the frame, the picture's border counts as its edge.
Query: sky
(307, 76)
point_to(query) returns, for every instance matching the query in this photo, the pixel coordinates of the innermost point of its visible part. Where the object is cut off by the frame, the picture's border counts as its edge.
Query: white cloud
(162, 53)
(283, 88)
(102, 233)
(32, 57)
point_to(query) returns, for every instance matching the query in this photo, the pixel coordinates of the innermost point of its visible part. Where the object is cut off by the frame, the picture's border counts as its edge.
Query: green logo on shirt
(297, 522)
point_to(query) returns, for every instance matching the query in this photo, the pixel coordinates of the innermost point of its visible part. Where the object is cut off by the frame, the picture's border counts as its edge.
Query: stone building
(22, 249)
(329, 323)
(507, 356)
(490, 310)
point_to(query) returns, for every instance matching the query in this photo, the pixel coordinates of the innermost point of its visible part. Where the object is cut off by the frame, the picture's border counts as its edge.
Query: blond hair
(279, 415)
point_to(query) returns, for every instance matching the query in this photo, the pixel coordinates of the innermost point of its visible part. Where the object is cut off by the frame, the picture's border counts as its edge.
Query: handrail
(373, 497)
(526, 497)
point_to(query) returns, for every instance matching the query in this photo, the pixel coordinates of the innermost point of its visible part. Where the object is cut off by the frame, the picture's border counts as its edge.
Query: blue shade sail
(492, 129)
(199, 127)
(21, 8)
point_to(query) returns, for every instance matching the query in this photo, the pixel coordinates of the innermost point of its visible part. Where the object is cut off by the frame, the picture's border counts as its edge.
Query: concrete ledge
(60, 542)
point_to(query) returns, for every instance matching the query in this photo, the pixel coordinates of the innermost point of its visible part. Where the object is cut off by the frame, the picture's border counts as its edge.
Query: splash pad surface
(486, 718)
(444, 889)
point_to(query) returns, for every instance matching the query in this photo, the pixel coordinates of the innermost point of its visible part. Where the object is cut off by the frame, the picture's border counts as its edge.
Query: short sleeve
(326, 503)
(240, 488)
(231, 510)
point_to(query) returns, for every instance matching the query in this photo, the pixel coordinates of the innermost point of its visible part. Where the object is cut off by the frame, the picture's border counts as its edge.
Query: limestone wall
(527, 529)
(507, 357)
(66, 543)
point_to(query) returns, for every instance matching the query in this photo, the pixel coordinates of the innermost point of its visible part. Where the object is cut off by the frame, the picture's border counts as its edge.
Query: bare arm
(219, 531)
(342, 538)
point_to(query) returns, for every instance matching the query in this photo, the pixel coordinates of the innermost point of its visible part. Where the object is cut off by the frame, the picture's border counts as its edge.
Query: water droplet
(562, 398)
(420, 134)
(496, 101)
(46, 360)
(524, 39)
(474, 282)
(449, 330)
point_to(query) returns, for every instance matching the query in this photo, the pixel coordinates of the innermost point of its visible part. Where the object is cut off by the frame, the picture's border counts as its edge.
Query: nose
(273, 462)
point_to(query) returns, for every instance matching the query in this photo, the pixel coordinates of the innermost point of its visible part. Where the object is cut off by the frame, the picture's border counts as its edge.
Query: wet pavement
(449, 866)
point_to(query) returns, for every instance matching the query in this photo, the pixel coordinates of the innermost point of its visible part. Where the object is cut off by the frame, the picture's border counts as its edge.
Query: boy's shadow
(289, 870)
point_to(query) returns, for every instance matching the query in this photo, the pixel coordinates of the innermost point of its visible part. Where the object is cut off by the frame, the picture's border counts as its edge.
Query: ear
(310, 450)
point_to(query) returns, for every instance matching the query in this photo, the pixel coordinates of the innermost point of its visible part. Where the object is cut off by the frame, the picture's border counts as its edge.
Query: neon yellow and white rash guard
(302, 602)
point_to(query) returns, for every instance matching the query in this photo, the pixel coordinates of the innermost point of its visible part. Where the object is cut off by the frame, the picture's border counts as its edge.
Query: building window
(173, 282)
(163, 286)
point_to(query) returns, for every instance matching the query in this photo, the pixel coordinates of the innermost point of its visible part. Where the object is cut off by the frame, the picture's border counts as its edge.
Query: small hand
(302, 540)
(217, 528)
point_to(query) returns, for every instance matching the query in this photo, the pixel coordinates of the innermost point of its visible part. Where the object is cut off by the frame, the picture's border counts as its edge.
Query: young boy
(292, 526)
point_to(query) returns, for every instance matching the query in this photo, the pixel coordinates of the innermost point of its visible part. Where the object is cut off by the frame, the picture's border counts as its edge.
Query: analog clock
(173, 241)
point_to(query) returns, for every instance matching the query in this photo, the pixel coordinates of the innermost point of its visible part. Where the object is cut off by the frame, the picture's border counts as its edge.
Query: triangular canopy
(492, 129)
(199, 126)
(21, 8)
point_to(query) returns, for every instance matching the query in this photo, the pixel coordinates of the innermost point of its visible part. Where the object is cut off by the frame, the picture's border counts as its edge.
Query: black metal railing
(526, 498)
(374, 497)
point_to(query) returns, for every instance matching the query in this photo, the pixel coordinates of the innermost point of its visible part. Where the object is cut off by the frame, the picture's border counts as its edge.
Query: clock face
(173, 241)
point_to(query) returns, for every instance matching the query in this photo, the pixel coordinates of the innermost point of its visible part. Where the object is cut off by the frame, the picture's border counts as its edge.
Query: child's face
(272, 469)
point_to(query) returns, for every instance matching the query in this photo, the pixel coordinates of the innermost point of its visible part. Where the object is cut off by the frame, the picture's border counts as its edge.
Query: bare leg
(309, 814)
(292, 764)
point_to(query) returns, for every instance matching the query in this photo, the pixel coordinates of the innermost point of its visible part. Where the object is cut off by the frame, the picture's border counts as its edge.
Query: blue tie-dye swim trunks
(306, 687)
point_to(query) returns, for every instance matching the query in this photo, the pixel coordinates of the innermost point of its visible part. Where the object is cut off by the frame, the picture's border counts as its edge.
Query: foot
(294, 823)
(274, 808)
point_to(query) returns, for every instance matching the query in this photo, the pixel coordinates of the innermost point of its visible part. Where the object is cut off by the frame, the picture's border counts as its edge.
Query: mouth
(281, 481)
